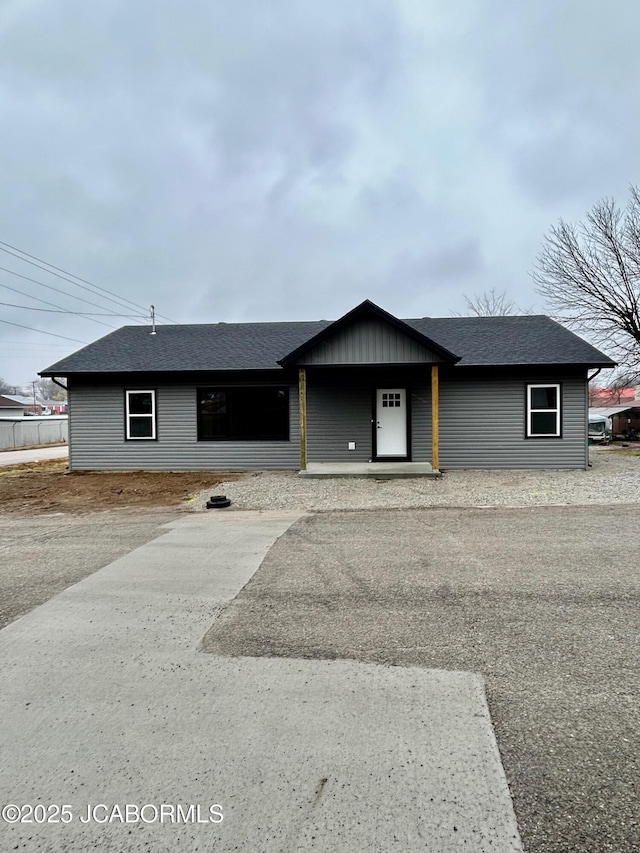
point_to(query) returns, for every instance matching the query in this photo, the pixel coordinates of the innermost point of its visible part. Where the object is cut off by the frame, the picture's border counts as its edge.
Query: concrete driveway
(119, 735)
(542, 601)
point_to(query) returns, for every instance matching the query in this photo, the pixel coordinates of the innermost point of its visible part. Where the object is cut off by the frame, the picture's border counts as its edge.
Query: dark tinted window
(544, 398)
(243, 414)
(543, 423)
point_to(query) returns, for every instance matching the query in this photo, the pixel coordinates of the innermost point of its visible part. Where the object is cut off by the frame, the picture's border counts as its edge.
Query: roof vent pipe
(153, 319)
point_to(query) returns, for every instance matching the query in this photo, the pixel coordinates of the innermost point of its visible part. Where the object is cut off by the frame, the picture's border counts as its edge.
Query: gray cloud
(286, 160)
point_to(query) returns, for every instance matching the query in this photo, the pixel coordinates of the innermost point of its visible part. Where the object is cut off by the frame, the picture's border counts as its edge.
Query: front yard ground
(47, 487)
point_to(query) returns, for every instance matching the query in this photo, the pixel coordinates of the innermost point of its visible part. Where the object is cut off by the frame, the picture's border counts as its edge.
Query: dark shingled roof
(529, 340)
(532, 339)
(217, 346)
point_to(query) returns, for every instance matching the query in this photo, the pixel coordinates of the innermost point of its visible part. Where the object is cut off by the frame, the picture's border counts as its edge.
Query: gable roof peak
(369, 307)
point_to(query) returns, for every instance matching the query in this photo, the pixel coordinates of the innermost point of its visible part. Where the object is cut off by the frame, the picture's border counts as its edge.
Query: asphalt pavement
(35, 454)
(129, 738)
(544, 602)
(42, 555)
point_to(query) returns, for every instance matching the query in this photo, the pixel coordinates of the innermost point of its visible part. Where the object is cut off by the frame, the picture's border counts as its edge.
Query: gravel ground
(613, 478)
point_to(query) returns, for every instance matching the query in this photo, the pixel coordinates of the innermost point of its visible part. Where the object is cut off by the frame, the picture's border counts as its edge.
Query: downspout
(64, 388)
(589, 378)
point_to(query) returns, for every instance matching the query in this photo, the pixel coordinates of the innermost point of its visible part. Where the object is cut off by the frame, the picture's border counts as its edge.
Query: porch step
(368, 470)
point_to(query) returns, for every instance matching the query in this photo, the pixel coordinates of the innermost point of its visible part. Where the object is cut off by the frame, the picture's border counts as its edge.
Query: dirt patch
(628, 448)
(43, 487)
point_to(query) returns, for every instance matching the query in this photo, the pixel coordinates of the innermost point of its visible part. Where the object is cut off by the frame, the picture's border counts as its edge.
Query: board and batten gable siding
(368, 341)
(483, 421)
(97, 432)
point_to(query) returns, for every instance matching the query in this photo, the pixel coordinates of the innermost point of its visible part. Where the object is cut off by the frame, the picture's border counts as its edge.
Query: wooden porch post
(435, 418)
(302, 407)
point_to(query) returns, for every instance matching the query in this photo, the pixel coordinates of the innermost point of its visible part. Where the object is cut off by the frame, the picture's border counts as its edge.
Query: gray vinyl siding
(421, 421)
(340, 406)
(368, 341)
(336, 414)
(482, 419)
(97, 434)
(483, 423)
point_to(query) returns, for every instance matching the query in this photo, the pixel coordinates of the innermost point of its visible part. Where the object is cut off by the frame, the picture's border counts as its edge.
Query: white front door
(391, 422)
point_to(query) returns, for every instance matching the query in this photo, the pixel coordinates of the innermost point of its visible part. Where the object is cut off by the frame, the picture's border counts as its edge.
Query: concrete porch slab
(368, 470)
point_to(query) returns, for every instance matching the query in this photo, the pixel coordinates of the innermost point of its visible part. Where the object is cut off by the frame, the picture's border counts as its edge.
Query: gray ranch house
(462, 392)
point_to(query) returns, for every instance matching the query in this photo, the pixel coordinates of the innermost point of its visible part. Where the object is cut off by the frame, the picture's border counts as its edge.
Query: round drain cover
(219, 503)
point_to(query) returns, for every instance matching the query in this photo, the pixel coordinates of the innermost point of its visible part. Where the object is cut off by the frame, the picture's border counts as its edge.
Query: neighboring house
(464, 392)
(10, 408)
(625, 419)
(54, 407)
(40, 407)
(30, 408)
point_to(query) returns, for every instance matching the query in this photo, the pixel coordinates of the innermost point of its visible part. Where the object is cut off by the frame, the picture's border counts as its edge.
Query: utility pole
(33, 385)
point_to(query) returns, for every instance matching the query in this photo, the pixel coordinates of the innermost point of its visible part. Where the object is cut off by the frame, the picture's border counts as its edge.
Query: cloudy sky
(248, 160)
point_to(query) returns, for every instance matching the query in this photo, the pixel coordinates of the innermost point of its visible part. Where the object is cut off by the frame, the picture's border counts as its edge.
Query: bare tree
(491, 303)
(48, 390)
(590, 276)
(5, 388)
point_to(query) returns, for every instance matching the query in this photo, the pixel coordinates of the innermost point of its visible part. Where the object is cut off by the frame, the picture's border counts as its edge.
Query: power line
(66, 311)
(56, 289)
(18, 357)
(44, 302)
(28, 347)
(41, 332)
(46, 345)
(117, 300)
(66, 273)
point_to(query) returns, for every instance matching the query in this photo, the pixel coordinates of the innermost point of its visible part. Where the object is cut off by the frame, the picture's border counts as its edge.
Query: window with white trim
(543, 411)
(140, 415)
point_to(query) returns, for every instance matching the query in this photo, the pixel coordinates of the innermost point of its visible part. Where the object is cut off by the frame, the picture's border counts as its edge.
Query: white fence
(32, 432)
